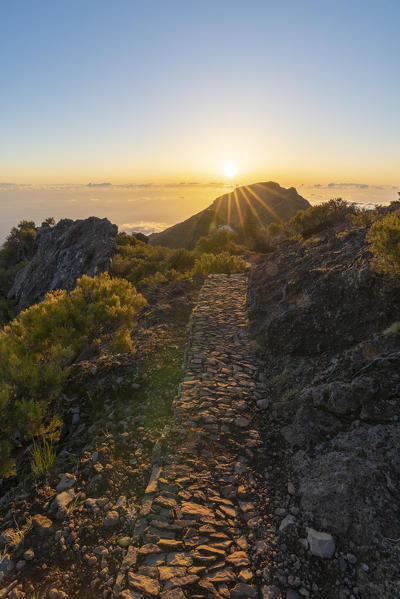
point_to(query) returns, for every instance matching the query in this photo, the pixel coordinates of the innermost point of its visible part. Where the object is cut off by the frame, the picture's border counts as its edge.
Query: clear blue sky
(169, 90)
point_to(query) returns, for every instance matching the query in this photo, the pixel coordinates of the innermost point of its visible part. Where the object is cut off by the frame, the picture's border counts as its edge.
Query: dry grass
(74, 505)
(14, 536)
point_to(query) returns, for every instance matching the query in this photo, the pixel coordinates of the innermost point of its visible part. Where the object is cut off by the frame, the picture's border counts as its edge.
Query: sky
(165, 92)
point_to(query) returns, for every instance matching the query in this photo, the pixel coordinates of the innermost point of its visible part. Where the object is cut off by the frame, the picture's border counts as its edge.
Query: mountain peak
(243, 208)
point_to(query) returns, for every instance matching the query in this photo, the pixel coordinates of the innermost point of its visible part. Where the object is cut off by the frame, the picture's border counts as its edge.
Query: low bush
(37, 348)
(219, 241)
(322, 216)
(384, 239)
(207, 264)
(145, 265)
(364, 217)
(15, 254)
(180, 260)
(20, 243)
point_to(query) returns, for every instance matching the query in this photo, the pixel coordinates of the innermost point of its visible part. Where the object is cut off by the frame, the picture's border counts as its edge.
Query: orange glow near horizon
(226, 174)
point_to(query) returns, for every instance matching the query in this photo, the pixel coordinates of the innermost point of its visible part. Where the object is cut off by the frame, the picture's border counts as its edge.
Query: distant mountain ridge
(243, 209)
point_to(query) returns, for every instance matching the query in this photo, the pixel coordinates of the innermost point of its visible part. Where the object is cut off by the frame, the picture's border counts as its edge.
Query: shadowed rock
(63, 254)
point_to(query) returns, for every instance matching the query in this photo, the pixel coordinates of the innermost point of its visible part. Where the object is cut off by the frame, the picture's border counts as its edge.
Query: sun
(230, 170)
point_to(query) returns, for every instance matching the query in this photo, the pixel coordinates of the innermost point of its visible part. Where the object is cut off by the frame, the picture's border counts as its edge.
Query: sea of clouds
(149, 207)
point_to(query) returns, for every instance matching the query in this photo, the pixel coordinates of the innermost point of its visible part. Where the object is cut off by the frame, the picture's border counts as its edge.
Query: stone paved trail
(198, 532)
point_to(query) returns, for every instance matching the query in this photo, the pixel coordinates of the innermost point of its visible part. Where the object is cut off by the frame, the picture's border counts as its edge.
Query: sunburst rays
(231, 207)
(261, 201)
(251, 207)
(241, 222)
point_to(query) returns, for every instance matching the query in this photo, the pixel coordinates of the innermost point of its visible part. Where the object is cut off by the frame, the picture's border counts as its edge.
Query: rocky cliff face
(320, 295)
(64, 253)
(328, 329)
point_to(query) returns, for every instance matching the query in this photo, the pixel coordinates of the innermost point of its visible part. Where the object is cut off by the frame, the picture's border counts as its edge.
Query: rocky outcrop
(320, 295)
(64, 253)
(328, 329)
(243, 210)
(349, 487)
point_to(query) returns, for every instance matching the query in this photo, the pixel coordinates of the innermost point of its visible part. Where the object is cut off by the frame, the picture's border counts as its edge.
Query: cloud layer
(149, 207)
(146, 227)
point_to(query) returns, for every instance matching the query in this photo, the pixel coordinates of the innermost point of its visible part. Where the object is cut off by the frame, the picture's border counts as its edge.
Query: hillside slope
(327, 325)
(244, 209)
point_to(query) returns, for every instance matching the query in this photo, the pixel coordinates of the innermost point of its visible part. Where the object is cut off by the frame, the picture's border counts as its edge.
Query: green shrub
(384, 239)
(122, 342)
(274, 229)
(43, 457)
(20, 243)
(28, 416)
(218, 263)
(219, 241)
(7, 309)
(145, 265)
(321, 216)
(364, 218)
(180, 260)
(138, 261)
(37, 348)
(15, 253)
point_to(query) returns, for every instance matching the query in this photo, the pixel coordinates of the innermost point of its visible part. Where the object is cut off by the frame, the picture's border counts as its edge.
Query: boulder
(289, 520)
(41, 524)
(6, 564)
(67, 481)
(64, 253)
(61, 502)
(349, 487)
(321, 544)
(111, 519)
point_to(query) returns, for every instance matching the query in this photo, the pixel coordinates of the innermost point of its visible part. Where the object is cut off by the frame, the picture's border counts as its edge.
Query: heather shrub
(384, 239)
(145, 265)
(138, 262)
(364, 218)
(274, 229)
(321, 216)
(122, 342)
(15, 253)
(37, 348)
(20, 243)
(180, 260)
(220, 240)
(218, 263)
